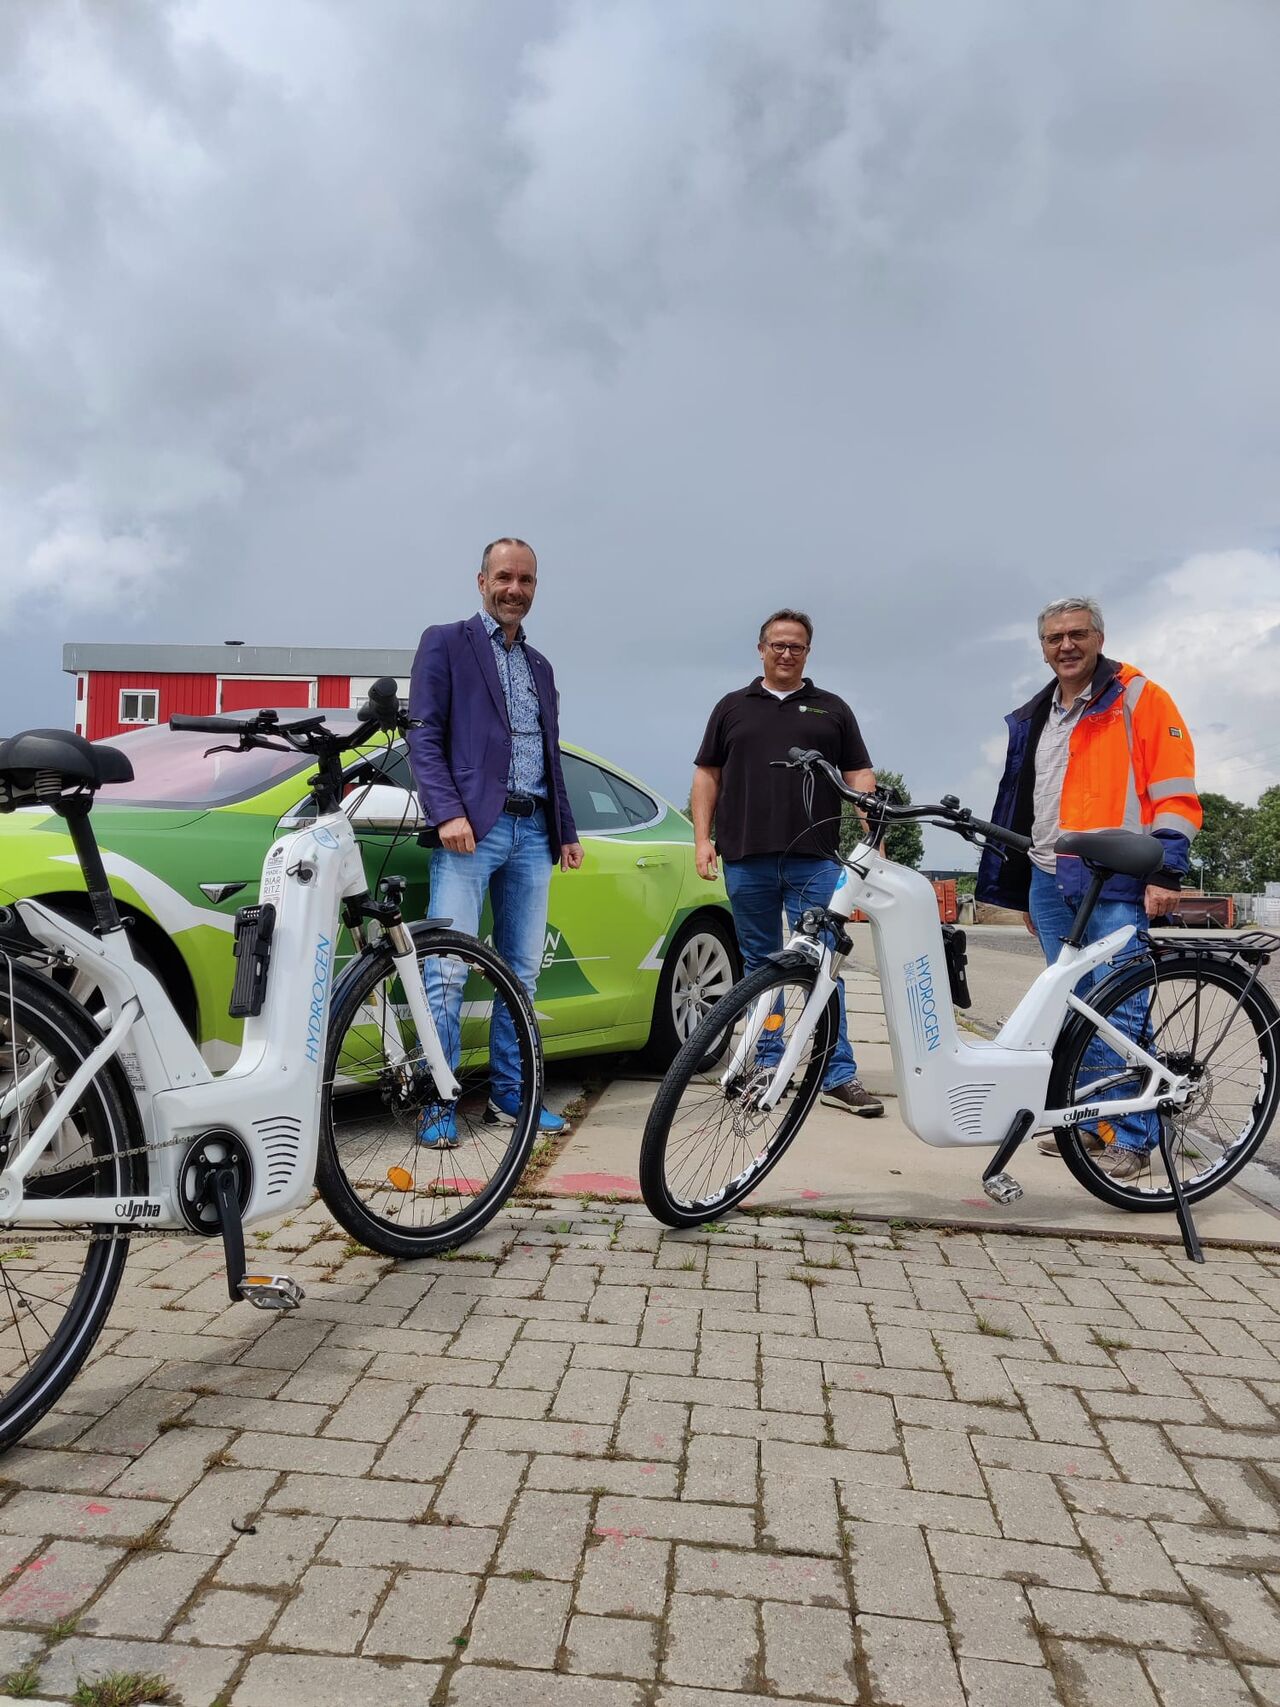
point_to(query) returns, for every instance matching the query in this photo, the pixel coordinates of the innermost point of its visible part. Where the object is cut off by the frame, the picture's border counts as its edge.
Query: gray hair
(507, 539)
(1059, 607)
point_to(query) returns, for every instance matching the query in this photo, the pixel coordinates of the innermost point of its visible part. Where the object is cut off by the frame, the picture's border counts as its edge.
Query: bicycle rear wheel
(57, 1286)
(395, 1194)
(707, 1144)
(1200, 1016)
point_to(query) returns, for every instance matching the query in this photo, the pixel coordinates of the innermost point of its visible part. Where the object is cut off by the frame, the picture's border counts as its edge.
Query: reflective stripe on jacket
(1131, 767)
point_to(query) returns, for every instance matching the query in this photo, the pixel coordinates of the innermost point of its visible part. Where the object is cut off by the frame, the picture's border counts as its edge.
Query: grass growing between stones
(123, 1689)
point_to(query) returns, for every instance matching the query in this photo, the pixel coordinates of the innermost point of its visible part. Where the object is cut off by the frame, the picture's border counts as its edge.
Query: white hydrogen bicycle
(1180, 1037)
(112, 1124)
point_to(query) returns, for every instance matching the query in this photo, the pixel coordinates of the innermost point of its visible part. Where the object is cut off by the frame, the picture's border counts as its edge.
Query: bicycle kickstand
(1181, 1208)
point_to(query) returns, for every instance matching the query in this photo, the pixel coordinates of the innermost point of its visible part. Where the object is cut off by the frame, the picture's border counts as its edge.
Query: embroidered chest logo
(1175, 732)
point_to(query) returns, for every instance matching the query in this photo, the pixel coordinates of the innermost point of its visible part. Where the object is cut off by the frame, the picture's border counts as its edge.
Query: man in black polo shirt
(773, 856)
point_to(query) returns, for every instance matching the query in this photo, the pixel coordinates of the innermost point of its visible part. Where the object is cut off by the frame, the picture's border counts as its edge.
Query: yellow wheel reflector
(774, 1022)
(400, 1178)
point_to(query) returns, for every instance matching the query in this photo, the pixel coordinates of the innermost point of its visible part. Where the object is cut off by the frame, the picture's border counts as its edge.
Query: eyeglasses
(1077, 637)
(782, 646)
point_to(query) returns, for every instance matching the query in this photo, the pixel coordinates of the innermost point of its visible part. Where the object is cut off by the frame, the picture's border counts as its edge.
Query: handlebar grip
(1010, 838)
(802, 755)
(383, 704)
(210, 725)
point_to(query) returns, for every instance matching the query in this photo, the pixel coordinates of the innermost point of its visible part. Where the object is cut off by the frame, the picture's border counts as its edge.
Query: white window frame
(140, 694)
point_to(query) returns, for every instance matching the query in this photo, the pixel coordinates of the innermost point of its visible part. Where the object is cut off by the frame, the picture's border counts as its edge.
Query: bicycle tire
(390, 1233)
(107, 1115)
(1143, 1194)
(709, 1042)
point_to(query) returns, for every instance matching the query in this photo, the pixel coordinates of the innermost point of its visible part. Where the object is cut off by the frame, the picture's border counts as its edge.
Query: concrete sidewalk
(880, 1170)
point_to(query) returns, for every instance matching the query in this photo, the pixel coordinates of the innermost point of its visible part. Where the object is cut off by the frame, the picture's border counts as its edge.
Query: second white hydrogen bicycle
(1179, 1038)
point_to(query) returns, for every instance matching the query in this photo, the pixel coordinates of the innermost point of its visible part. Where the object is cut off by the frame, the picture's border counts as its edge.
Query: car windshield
(174, 767)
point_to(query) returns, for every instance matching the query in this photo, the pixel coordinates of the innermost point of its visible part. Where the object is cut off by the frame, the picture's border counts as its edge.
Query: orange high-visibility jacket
(1131, 767)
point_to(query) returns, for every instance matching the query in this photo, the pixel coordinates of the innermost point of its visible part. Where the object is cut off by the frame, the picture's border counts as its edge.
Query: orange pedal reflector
(400, 1178)
(774, 1022)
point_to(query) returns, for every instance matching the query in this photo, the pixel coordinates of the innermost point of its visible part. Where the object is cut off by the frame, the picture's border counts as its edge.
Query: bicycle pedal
(1002, 1188)
(271, 1292)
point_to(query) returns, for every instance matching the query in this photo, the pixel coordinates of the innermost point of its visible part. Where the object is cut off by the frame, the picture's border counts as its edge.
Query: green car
(638, 946)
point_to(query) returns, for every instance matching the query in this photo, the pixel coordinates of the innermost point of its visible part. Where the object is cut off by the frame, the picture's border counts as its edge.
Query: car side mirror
(383, 806)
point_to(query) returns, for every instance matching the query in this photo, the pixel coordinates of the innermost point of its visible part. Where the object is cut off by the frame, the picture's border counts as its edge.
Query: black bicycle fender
(791, 958)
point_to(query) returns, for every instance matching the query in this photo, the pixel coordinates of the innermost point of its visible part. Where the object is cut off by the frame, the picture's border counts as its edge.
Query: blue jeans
(513, 863)
(759, 888)
(1053, 916)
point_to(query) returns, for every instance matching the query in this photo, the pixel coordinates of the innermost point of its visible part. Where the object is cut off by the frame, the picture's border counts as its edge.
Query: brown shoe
(854, 1098)
(1090, 1143)
(1128, 1164)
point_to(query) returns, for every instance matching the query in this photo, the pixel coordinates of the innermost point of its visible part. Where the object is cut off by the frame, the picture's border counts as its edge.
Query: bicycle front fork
(824, 987)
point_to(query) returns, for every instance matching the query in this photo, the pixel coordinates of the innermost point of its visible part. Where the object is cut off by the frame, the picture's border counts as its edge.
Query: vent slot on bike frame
(255, 927)
(280, 1137)
(968, 1104)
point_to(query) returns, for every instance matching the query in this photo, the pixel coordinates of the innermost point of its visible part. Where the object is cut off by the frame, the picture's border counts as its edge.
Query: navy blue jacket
(1006, 881)
(460, 735)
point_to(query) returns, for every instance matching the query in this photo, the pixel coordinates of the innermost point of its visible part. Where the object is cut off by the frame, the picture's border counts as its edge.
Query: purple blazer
(460, 735)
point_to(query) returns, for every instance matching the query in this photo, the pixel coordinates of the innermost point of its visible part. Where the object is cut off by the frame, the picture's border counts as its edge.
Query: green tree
(904, 843)
(1264, 839)
(1224, 843)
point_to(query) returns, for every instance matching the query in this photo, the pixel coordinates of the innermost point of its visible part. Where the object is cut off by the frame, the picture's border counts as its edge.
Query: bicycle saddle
(59, 753)
(1121, 851)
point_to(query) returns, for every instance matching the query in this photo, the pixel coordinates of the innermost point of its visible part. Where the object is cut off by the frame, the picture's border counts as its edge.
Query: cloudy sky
(914, 315)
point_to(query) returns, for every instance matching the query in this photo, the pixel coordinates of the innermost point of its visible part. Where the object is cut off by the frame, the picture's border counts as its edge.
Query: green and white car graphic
(637, 945)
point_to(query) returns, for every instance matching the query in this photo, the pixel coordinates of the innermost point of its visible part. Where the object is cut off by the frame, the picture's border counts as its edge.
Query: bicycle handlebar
(307, 734)
(211, 725)
(948, 815)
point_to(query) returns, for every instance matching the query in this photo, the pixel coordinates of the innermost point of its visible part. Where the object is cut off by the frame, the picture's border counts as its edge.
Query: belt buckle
(520, 805)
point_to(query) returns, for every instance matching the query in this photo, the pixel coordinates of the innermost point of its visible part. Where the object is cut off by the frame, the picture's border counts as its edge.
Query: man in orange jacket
(1099, 748)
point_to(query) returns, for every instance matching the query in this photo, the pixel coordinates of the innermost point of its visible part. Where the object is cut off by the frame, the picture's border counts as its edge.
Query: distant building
(123, 687)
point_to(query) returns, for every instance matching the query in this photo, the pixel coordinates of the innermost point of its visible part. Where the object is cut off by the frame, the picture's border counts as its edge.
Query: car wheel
(701, 965)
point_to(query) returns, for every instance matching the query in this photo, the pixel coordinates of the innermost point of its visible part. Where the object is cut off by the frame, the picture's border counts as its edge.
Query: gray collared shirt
(1053, 750)
(527, 772)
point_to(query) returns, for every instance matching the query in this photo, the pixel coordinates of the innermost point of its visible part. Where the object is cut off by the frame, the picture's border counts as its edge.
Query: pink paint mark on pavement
(576, 1185)
(977, 1203)
(97, 1510)
(810, 1196)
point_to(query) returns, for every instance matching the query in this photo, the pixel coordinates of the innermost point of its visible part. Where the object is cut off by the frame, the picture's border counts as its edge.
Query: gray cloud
(909, 315)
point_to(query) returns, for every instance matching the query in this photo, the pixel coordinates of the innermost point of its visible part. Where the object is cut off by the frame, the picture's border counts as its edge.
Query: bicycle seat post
(1085, 910)
(76, 811)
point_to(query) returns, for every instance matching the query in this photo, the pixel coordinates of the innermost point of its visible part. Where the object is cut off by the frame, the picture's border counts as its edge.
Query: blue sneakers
(438, 1126)
(503, 1110)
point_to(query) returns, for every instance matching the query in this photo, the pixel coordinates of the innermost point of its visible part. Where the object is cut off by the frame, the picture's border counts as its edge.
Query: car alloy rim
(703, 974)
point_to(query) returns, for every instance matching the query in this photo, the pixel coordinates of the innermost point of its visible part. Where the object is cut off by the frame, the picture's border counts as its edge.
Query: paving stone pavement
(589, 1462)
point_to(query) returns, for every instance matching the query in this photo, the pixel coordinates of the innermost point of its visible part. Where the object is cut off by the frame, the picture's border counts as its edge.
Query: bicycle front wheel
(707, 1142)
(57, 1285)
(405, 1172)
(1199, 1016)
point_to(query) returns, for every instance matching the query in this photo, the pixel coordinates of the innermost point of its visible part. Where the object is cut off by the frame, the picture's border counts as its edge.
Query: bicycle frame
(270, 1097)
(954, 1091)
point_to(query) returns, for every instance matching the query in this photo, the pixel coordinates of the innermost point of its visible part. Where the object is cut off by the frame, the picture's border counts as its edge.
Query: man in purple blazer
(484, 741)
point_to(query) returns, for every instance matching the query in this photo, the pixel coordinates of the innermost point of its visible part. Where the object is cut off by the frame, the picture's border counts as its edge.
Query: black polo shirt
(761, 810)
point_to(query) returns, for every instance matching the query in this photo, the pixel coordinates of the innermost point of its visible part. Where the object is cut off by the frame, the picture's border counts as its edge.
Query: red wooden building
(121, 687)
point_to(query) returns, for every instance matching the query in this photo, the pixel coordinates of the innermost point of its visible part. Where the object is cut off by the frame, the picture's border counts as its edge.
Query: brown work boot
(854, 1098)
(1090, 1143)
